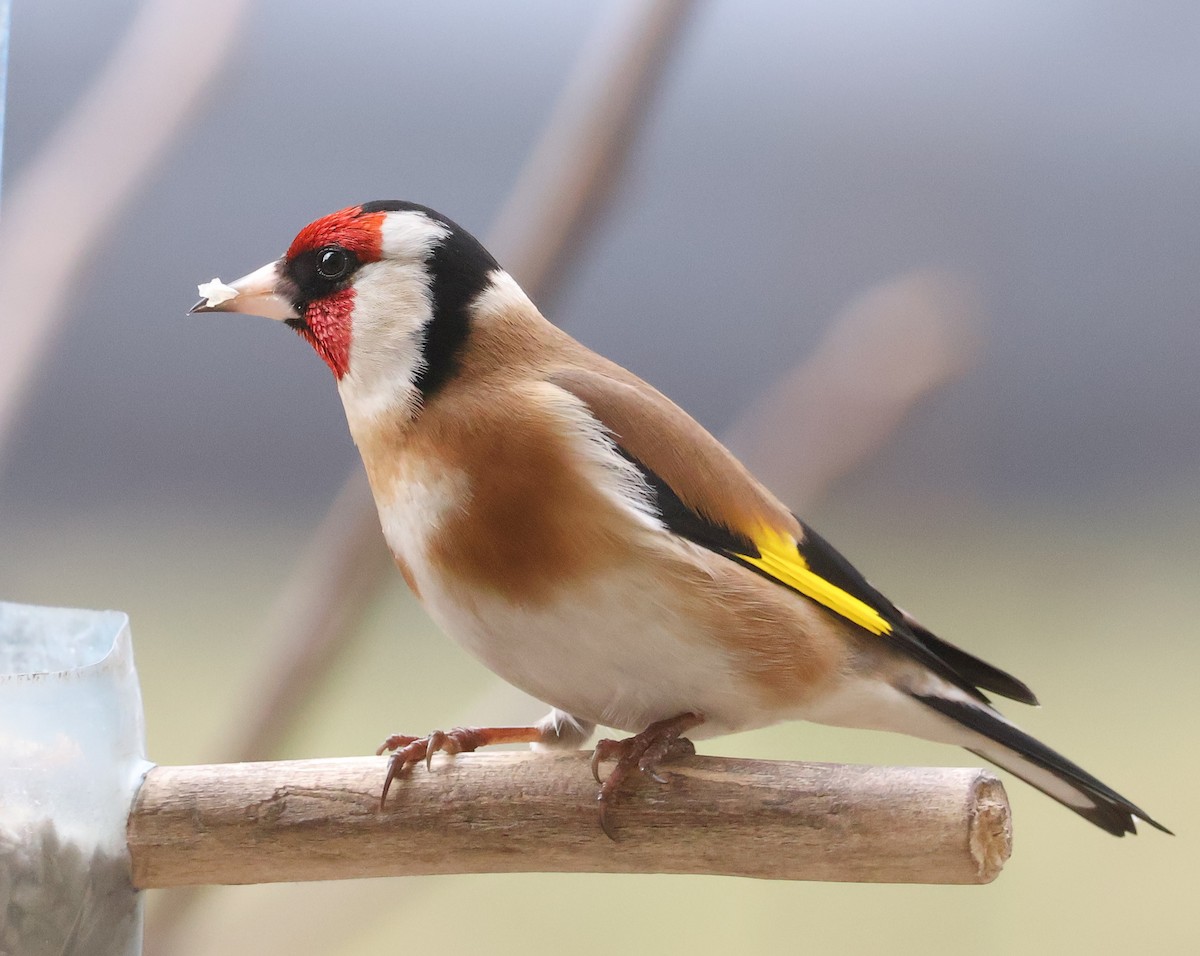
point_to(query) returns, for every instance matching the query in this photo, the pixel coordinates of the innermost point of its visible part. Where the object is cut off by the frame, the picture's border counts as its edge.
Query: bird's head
(381, 291)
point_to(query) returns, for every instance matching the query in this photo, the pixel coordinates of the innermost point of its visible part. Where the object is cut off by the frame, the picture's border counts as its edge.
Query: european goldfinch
(590, 542)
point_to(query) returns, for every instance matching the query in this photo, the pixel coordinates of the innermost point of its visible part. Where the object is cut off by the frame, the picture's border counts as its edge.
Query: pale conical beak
(254, 294)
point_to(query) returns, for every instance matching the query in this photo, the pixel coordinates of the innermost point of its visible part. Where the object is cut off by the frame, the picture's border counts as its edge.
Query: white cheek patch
(391, 309)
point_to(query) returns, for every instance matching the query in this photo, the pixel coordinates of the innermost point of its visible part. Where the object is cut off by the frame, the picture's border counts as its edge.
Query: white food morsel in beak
(253, 294)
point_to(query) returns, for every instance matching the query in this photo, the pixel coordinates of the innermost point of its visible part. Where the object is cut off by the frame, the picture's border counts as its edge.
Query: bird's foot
(408, 751)
(643, 752)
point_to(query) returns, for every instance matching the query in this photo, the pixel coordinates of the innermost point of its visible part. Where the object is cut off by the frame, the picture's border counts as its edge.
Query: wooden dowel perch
(525, 812)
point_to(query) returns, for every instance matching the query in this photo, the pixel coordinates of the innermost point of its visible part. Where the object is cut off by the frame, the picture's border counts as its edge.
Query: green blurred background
(1042, 510)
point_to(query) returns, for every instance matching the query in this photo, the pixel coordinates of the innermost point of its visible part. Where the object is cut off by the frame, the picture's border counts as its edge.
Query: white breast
(621, 651)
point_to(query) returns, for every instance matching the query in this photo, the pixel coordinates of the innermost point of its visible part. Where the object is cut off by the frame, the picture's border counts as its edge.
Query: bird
(590, 542)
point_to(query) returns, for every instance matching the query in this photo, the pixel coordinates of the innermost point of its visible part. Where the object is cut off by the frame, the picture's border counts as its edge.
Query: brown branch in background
(521, 812)
(578, 161)
(90, 169)
(321, 605)
(887, 350)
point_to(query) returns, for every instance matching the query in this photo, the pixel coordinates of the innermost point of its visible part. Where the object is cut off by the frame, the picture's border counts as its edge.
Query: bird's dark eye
(334, 263)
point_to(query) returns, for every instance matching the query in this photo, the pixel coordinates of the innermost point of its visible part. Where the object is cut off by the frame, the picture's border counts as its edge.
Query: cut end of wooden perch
(990, 827)
(523, 812)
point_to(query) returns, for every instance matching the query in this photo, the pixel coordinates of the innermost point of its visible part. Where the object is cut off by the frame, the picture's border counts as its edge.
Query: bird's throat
(326, 326)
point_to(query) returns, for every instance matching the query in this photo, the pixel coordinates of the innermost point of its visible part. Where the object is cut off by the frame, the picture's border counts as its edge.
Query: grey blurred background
(1041, 510)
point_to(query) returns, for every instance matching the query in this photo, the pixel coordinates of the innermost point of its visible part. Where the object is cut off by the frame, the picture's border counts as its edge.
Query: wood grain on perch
(524, 812)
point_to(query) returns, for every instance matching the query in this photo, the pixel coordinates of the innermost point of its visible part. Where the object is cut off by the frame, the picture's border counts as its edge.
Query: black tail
(1038, 765)
(979, 673)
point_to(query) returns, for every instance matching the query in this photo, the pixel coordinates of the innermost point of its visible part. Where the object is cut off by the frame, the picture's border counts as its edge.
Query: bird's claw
(409, 751)
(606, 749)
(643, 752)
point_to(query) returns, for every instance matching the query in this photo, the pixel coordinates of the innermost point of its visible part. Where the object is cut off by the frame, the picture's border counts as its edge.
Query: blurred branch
(524, 812)
(892, 346)
(321, 605)
(57, 212)
(577, 163)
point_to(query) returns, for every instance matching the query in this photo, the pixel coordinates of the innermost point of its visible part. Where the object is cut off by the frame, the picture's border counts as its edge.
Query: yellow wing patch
(781, 559)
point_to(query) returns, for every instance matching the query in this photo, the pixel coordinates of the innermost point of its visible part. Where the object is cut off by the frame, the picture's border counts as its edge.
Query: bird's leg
(643, 752)
(556, 729)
